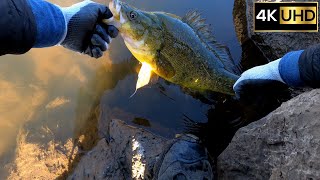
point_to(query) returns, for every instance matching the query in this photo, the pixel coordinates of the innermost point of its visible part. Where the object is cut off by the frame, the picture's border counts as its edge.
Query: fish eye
(133, 15)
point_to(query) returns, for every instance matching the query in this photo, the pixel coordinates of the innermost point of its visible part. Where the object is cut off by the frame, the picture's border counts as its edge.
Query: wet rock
(273, 45)
(130, 153)
(283, 145)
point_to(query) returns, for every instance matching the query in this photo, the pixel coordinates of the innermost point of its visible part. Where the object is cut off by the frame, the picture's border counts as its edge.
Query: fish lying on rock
(181, 50)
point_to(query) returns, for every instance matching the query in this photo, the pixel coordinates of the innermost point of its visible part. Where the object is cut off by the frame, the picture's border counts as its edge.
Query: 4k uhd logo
(286, 17)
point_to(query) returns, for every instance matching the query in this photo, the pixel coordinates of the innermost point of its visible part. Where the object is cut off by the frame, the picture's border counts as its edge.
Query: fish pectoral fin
(144, 76)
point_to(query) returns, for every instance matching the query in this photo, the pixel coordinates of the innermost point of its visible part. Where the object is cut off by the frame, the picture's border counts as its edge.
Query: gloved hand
(261, 89)
(264, 75)
(85, 31)
(265, 87)
(284, 71)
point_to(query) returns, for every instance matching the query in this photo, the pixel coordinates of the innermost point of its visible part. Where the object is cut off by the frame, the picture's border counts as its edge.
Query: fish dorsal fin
(203, 30)
(171, 15)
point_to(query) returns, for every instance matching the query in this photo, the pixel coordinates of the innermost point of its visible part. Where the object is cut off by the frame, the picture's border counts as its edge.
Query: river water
(66, 94)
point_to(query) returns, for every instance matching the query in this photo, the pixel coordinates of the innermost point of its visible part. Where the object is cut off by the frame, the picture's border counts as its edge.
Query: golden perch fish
(181, 50)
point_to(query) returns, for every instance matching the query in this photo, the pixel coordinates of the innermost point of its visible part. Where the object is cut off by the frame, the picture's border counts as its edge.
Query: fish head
(142, 33)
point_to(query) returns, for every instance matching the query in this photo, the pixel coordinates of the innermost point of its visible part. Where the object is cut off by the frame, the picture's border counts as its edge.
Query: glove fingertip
(112, 31)
(102, 33)
(97, 53)
(98, 41)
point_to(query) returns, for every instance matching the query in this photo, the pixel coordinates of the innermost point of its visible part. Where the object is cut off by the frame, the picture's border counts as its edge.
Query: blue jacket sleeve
(309, 66)
(50, 23)
(289, 69)
(18, 28)
(301, 68)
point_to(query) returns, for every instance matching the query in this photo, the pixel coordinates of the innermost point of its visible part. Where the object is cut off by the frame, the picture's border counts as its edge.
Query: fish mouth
(115, 7)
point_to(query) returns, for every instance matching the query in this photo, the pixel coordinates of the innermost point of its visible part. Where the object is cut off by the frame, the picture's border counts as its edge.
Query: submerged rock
(41, 161)
(283, 145)
(272, 45)
(131, 153)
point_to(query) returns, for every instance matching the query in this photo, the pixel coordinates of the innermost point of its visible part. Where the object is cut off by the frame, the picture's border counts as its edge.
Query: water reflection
(41, 87)
(57, 95)
(163, 104)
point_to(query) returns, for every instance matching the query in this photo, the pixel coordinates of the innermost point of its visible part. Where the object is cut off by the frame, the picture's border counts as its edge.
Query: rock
(273, 45)
(36, 161)
(130, 154)
(283, 145)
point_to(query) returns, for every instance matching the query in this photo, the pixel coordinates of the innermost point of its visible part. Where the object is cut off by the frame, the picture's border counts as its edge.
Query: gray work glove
(259, 76)
(85, 31)
(261, 89)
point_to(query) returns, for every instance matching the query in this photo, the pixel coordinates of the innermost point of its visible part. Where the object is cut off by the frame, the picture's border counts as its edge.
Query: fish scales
(181, 42)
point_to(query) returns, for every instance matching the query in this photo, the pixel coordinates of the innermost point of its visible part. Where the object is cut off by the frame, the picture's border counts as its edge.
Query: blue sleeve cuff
(289, 69)
(50, 22)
